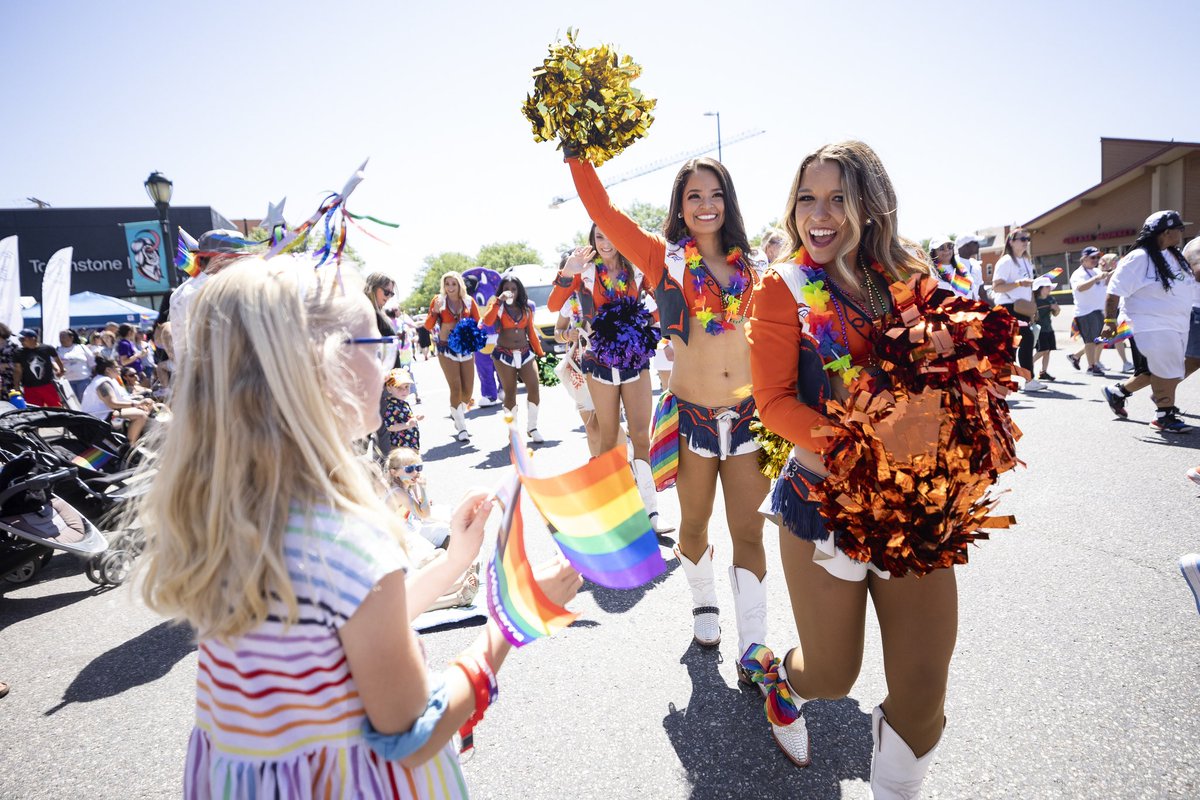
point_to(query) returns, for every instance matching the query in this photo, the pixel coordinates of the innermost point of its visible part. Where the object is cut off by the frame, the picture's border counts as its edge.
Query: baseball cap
(964, 240)
(28, 332)
(1161, 221)
(938, 241)
(1088, 252)
(1041, 281)
(222, 241)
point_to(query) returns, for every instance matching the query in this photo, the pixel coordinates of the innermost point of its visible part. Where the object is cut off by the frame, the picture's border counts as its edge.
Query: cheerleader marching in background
(616, 358)
(516, 349)
(446, 310)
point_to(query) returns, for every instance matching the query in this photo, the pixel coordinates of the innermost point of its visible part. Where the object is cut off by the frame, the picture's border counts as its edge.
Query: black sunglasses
(1022, 238)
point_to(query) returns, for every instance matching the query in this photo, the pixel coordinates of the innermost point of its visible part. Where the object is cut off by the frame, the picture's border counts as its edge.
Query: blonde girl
(286, 561)
(446, 310)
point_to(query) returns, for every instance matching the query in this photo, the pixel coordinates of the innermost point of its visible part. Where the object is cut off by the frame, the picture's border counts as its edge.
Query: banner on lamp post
(10, 285)
(56, 296)
(148, 256)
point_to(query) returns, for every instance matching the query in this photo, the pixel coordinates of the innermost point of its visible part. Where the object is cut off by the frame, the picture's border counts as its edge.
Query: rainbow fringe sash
(664, 442)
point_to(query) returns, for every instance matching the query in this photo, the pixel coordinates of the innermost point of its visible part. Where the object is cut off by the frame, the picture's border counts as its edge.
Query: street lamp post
(716, 114)
(159, 187)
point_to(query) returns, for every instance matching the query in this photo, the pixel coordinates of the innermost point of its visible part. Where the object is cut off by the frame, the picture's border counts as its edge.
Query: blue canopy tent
(91, 310)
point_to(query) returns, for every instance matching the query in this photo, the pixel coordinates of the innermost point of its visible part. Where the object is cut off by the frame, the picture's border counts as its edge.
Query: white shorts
(1163, 351)
(660, 362)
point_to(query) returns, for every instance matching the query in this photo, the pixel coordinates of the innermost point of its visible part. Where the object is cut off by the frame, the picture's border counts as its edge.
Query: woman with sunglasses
(379, 289)
(447, 309)
(1012, 284)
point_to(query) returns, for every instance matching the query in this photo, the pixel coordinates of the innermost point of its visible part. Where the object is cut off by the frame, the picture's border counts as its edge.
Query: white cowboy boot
(534, 435)
(896, 773)
(705, 627)
(459, 414)
(643, 476)
(750, 607)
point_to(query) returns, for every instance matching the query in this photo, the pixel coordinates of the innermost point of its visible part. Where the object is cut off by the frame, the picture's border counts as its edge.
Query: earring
(680, 215)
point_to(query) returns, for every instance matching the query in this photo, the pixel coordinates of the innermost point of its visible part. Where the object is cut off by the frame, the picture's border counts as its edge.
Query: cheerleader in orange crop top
(517, 348)
(445, 311)
(596, 276)
(703, 283)
(828, 301)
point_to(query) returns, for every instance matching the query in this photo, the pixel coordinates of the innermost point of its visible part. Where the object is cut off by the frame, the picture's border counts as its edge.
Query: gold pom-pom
(584, 98)
(774, 450)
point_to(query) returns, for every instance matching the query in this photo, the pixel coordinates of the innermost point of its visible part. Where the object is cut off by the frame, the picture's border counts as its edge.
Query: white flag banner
(10, 285)
(56, 296)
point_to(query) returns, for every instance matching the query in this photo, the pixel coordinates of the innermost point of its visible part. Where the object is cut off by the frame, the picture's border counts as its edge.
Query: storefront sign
(1123, 233)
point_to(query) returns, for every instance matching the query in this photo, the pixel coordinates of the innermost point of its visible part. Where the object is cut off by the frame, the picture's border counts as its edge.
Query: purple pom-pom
(466, 338)
(623, 335)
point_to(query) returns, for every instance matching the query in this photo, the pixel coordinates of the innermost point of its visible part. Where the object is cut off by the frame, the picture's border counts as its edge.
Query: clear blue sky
(984, 113)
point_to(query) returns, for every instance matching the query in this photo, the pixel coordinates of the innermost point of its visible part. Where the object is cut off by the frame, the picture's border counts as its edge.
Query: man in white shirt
(1089, 286)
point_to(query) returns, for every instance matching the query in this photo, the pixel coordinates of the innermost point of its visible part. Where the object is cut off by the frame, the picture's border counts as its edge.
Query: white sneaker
(1127, 368)
(486, 403)
(1034, 385)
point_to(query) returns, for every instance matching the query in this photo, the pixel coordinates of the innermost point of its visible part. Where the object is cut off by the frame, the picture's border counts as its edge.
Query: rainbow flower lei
(731, 297)
(823, 311)
(612, 289)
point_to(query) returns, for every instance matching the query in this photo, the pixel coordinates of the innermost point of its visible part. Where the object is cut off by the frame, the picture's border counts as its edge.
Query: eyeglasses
(1022, 238)
(373, 340)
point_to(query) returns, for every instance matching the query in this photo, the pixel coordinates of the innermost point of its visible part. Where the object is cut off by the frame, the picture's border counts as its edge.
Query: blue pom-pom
(623, 335)
(466, 338)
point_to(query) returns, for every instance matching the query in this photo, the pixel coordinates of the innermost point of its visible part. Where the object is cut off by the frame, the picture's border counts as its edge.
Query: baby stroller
(34, 522)
(100, 462)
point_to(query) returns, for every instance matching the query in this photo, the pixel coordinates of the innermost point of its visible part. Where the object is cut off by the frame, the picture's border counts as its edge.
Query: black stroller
(99, 460)
(34, 522)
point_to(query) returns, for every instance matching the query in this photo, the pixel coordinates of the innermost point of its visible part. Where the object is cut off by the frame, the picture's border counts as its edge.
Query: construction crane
(655, 166)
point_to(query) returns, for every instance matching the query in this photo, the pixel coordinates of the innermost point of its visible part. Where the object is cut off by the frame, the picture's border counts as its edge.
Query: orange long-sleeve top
(789, 382)
(496, 311)
(447, 318)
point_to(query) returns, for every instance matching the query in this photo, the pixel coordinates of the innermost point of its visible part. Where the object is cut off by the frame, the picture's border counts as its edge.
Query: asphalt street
(1076, 671)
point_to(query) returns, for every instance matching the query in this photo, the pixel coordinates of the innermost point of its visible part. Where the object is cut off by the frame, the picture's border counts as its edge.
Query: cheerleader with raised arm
(446, 311)
(703, 282)
(619, 345)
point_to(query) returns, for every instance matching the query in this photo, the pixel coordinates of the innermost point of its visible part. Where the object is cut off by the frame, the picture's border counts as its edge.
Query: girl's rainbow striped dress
(277, 711)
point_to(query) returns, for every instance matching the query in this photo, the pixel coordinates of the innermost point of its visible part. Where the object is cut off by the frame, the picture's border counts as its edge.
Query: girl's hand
(507, 297)
(558, 579)
(578, 261)
(396, 428)
(466, 527)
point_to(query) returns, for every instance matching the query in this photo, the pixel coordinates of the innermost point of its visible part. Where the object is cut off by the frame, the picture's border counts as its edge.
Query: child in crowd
(1047, 310)
(405, 356)
(287, 563)
(398, 415)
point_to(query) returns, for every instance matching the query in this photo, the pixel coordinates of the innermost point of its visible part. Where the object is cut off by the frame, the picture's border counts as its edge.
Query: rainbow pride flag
(185, 256)
(1054, 274)
(664, 442)
(93, 458)
(599, 521)
(516, 602)
(1124, 332)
